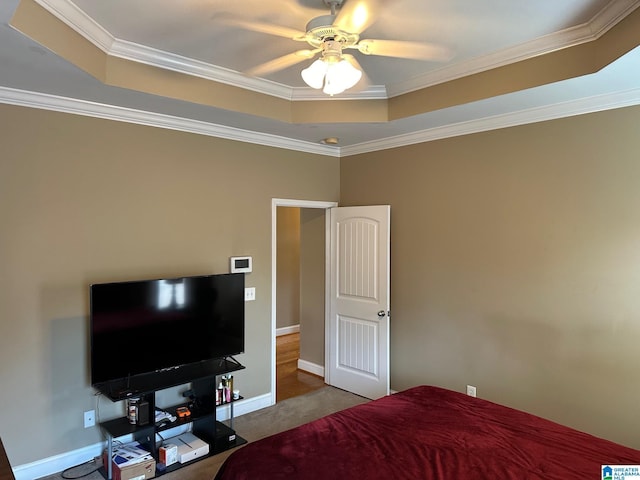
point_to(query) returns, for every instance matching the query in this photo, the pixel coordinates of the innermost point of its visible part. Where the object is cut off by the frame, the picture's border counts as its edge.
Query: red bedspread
(427, 433)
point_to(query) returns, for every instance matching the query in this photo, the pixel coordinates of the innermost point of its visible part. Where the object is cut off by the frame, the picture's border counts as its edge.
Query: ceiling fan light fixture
(331, 71)
(340, 76)
(314, 74)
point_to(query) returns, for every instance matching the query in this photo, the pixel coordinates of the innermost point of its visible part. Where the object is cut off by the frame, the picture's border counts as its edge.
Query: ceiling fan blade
(355, 16)
(281, 63)
(402, 49)
(268, 28)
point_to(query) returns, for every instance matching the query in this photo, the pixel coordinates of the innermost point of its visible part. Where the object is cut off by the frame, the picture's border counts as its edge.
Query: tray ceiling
(184, 65)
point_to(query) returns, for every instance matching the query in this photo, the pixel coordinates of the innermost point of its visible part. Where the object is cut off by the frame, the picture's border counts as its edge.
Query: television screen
(148, 326)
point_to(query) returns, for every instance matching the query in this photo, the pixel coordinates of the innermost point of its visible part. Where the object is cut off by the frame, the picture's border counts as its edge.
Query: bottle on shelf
(132, 410)
(220, 393)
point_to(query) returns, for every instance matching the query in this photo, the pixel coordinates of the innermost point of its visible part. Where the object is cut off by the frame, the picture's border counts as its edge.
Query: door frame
(284, 202)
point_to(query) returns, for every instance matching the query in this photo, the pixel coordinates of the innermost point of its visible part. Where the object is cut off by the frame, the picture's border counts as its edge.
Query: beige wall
(516, 265)
(84, 200)
(514, 257)
(288, 267)
(312, 285)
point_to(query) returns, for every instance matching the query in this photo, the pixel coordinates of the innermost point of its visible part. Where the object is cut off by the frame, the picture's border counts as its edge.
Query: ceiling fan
(329, 35)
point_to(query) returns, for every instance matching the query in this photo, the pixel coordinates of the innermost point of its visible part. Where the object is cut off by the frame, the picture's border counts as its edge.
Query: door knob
(381, 313)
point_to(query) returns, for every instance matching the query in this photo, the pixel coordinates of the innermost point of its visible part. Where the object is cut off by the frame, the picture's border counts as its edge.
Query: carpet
(253, 426)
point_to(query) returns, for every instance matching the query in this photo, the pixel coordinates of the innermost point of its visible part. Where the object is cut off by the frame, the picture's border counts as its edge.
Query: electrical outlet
(249, 294)
(471, 390)
(89, 419)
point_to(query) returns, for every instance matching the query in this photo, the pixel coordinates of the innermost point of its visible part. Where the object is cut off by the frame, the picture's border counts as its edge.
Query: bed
(428, 433)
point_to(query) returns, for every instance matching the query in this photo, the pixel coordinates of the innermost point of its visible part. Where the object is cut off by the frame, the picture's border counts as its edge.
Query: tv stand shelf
(202, 420)
(139, 385)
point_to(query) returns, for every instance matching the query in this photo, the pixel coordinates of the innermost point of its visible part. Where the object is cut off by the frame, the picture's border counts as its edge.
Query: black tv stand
(203, 421)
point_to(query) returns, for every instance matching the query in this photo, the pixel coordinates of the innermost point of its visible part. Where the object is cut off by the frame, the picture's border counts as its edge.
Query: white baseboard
(58, 463)
(311, 367)
(287, 330)
(244, 406)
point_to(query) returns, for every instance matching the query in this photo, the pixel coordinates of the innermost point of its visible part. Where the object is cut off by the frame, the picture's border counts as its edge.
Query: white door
(358, 323)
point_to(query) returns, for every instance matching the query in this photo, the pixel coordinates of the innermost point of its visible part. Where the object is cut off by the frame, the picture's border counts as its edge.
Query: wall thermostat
(241, 264)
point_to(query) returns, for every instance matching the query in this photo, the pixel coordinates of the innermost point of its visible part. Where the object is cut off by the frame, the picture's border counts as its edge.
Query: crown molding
(538, 114)
(68, 12)
(71, 15)
(611, 15)
(109, 112)
(372, 92)
(531, 115)
(178, 63)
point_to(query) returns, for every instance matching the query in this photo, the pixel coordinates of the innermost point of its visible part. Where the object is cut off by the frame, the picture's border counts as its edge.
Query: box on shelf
(131, 462)
(168, 454)
(190, 447)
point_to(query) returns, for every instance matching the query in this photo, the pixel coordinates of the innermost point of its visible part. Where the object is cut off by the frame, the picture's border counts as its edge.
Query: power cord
(92, 461)
(97, 395)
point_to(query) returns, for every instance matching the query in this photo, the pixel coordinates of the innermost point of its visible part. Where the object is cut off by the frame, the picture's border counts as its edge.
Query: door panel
(356, 337)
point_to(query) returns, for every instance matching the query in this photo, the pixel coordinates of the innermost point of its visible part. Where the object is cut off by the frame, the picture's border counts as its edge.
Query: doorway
(298, 298)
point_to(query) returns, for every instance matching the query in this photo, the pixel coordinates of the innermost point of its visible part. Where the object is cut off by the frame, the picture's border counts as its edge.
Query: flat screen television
(153, 326)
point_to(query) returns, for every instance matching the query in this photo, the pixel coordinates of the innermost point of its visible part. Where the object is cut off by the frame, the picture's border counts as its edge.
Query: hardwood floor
(291, 382)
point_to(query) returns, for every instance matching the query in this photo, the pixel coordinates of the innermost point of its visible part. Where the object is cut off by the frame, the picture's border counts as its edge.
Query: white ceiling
(471, 29)
(197, 36)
